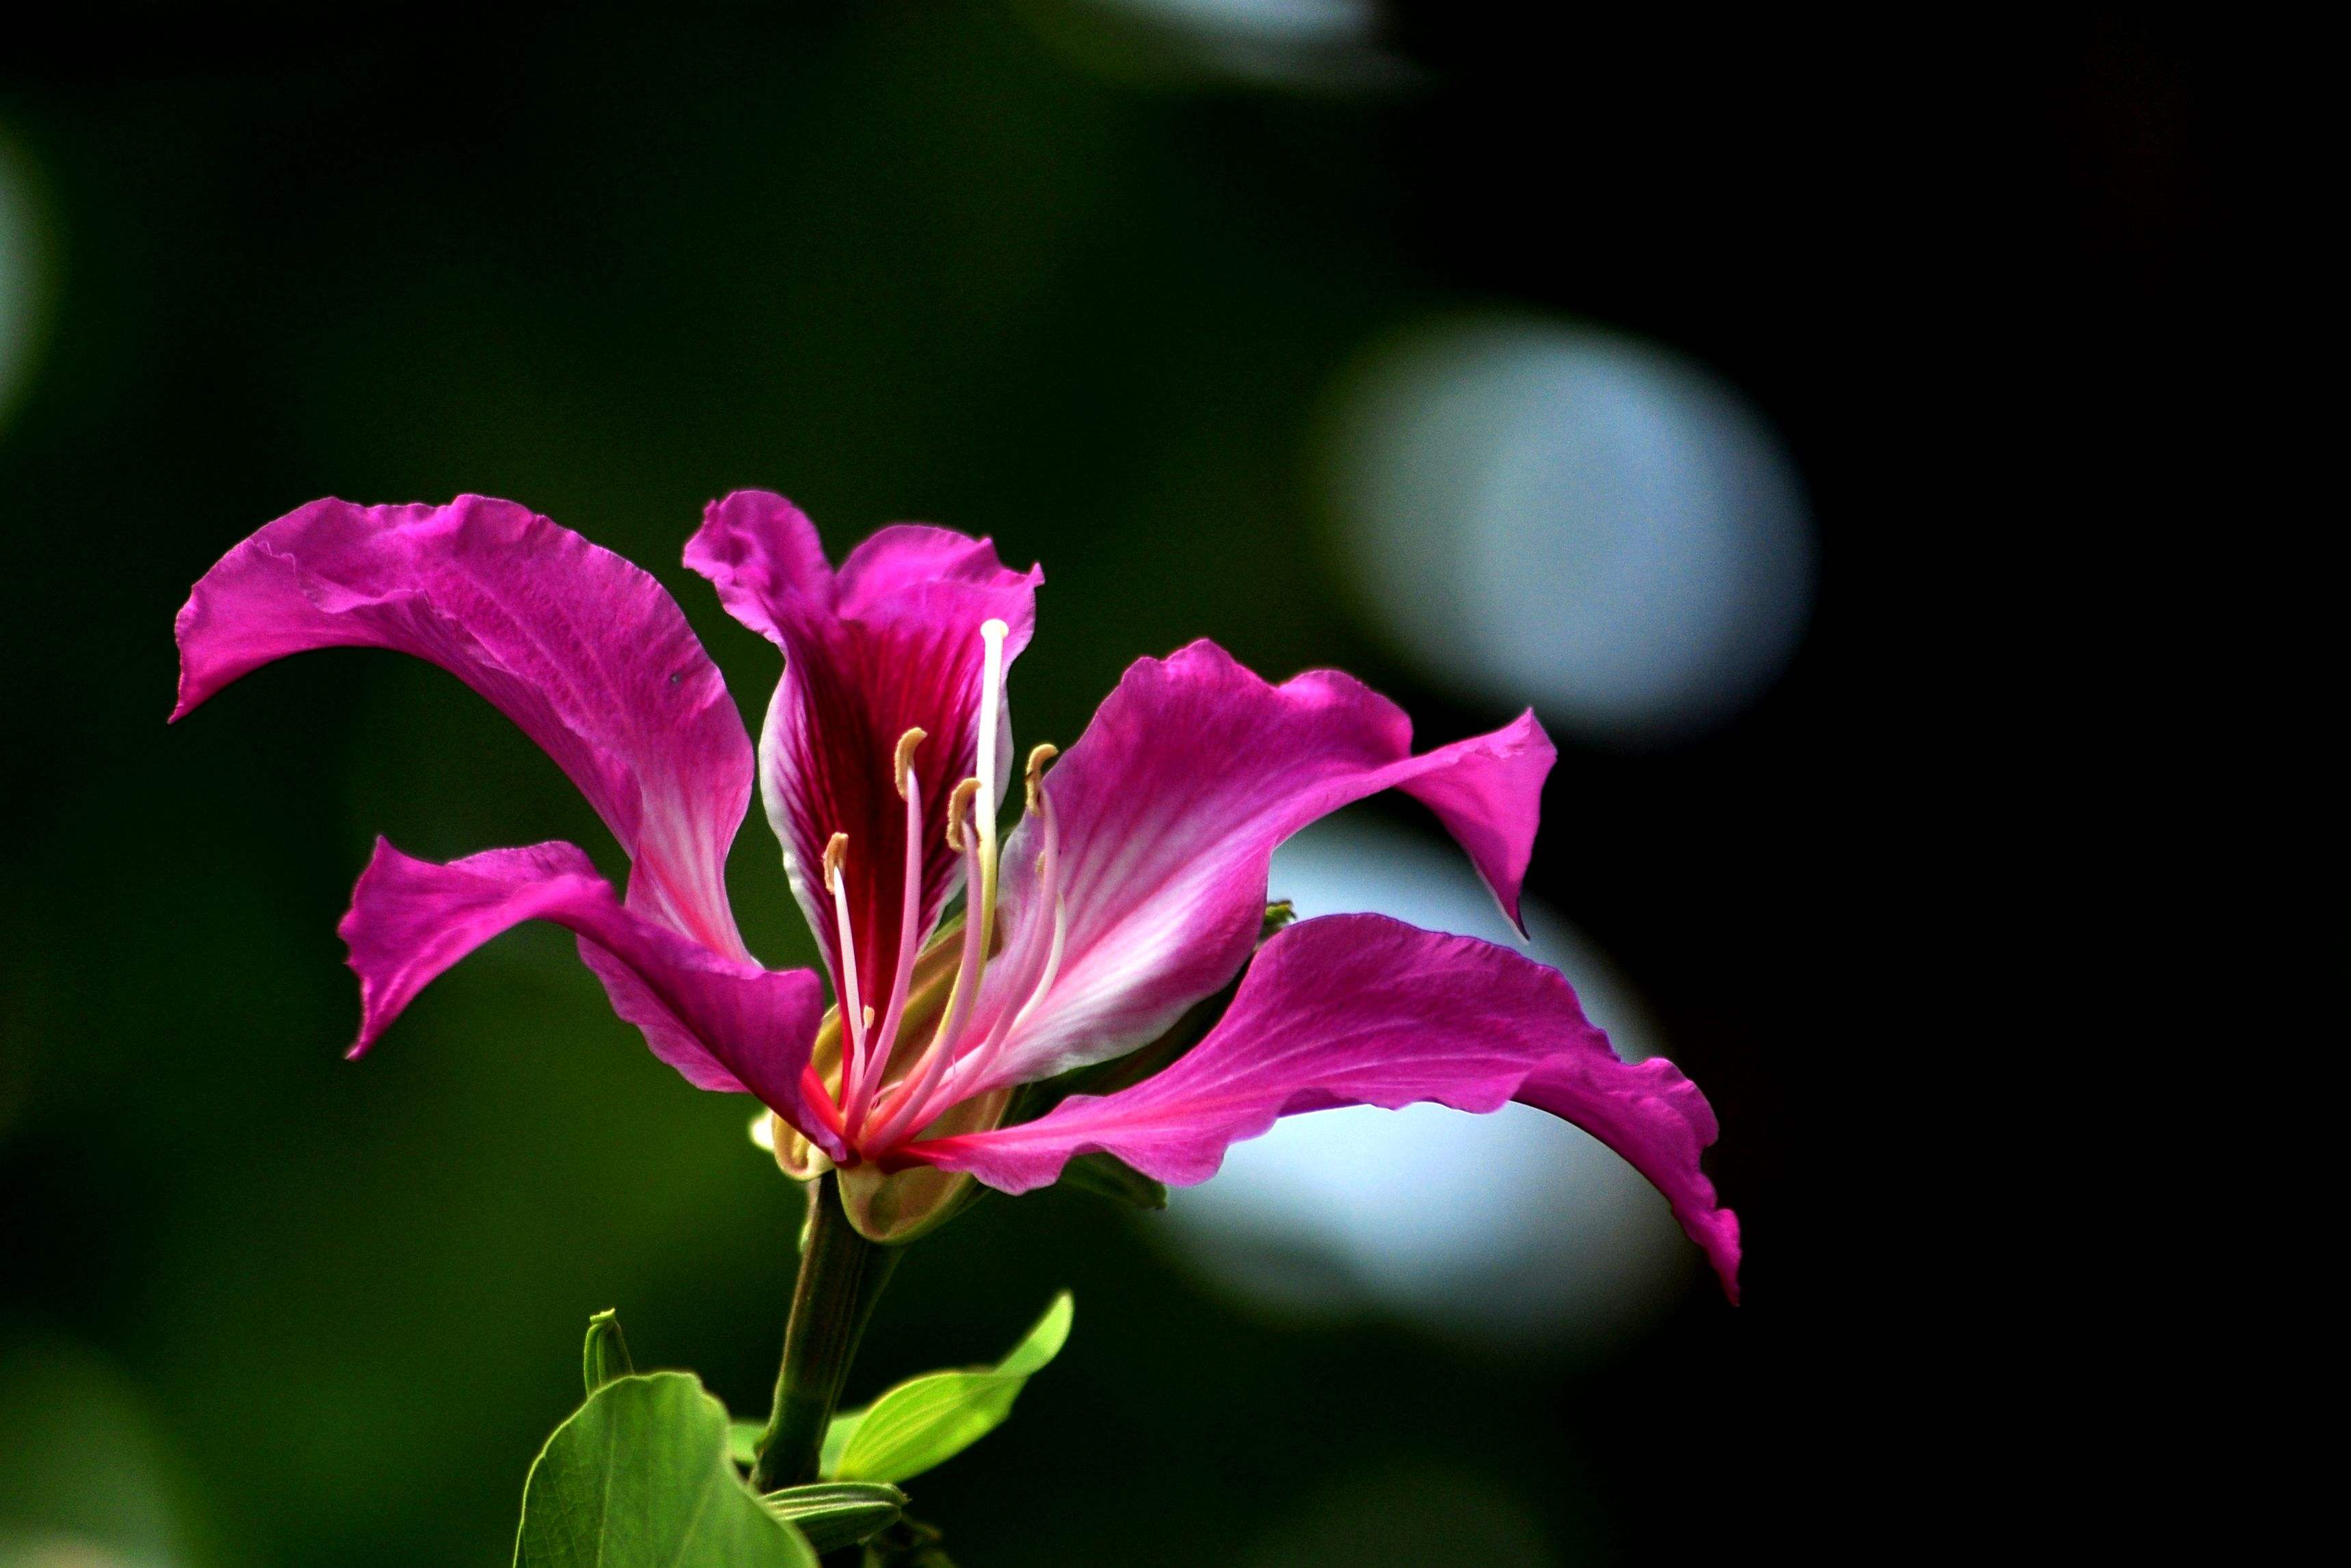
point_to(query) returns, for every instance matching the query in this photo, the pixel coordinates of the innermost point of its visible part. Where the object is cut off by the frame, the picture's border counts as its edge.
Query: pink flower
(1133, 887)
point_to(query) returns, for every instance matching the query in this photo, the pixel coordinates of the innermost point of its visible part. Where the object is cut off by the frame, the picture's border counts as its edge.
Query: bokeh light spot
(1535, 511)
(86, 1479)
(1316, 45)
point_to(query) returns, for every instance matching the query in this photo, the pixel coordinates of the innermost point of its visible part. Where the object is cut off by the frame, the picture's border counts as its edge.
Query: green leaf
(836, 1441)
(927, 1420)
(638, 1478)
(838, 1513)
(1107, 1175)
(605, 1356)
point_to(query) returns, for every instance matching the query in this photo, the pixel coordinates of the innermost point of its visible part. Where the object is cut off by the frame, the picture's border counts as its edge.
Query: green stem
(842, 1276)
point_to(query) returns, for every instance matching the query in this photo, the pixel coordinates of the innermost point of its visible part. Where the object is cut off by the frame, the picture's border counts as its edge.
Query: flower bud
(605, 1356)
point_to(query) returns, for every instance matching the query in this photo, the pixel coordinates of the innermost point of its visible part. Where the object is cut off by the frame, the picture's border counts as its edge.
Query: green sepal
(1109, 1176)
(605, 1356)
(927, 1420)
(638, 1478)
(838, 1513)
(892, 1209)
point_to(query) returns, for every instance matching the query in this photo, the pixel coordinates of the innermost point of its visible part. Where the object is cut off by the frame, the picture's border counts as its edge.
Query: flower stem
(842, 1276)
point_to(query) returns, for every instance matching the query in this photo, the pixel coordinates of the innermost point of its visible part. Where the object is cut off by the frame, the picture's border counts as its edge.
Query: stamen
(1043, 752)
(1030, 981)
(896, 1114)
(1052, 961)
(901, 770)
(958, 807)
(853, 1013)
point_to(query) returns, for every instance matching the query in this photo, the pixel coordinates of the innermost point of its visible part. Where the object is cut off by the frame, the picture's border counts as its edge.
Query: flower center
(875, 1116)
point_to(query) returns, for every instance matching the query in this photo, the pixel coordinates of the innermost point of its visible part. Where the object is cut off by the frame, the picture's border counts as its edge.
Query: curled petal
(585, 651)
(724, 1023)
(1170, 807)
(889, 643)
(1359, 1009)
(1656, 1119)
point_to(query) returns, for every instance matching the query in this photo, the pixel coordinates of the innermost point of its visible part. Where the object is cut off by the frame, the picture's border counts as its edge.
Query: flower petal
(1170, 807)
(724, 1023)
(1359, 1009)
(889, 643)
(585, 651)
(1656, 1119)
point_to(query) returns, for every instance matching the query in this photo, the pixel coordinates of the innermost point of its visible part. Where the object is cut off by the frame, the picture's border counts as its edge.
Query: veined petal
(1359, 1009)
(1170, 807)
(724, 1023)
(888, 643)
(585, 651)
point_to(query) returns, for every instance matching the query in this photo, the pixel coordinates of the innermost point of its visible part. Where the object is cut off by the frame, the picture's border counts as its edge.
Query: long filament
(896, 1114)
(854, 1016)
(1031, 980)
(859, 1094)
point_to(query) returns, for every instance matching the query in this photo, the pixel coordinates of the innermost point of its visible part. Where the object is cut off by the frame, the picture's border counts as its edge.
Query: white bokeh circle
(1545, 513)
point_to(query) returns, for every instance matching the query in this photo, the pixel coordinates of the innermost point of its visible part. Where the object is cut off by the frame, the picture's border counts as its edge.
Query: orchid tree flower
(1132, 891)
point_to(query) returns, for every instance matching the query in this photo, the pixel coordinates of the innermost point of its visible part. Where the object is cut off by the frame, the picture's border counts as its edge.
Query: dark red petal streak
(888, 643)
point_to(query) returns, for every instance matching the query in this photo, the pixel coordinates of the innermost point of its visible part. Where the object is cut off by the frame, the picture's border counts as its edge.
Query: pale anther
(836, 851)
(958, 807)
(1044, 751)
(905, 759)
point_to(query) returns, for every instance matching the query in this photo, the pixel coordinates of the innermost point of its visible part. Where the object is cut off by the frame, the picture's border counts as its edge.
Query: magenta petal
(889, 643)
(1655, 1117)
(760, 550)
(1170, 807)
(1359, 1009)
(585, 651)
(724, 1023)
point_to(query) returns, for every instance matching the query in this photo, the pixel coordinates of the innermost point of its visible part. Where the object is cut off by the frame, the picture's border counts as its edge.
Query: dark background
(977, 265)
